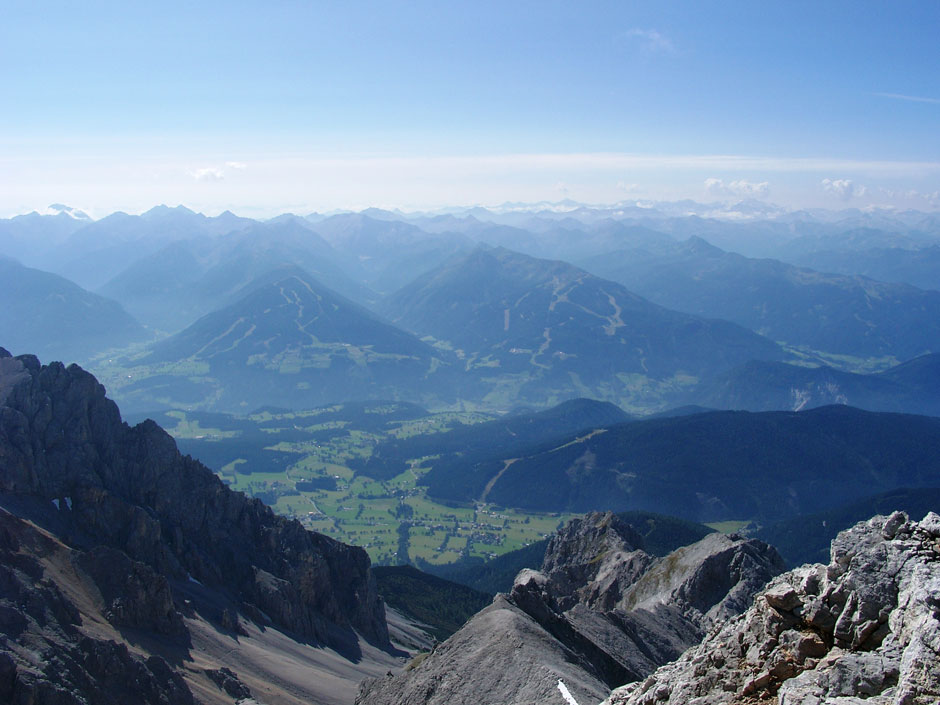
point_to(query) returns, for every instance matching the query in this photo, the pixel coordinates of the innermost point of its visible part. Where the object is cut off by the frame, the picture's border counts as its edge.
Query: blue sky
(275, 106)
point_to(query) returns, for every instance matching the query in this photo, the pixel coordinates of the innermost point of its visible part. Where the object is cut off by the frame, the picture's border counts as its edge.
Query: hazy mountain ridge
(58, 319)
(100, 250)
(292, 341)
(918, 267)
(387, 254)
(187, 279)
(824, 312)
(564, 329)
(565, 338)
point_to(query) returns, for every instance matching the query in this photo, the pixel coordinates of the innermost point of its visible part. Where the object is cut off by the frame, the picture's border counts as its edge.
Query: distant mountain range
(97, 252)
(186, 279)
(848, 315)
(387, 254)
(918, 267)
(58, 319)
(289, 340)
(564, 332)
(509, 328)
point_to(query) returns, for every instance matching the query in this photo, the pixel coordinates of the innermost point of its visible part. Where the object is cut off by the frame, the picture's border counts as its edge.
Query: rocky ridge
(865, 628)
(107, 531)
(600, 612)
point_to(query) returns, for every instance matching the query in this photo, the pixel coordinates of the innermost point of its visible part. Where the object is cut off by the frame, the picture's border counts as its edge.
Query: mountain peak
(74, 213)
(164, 210)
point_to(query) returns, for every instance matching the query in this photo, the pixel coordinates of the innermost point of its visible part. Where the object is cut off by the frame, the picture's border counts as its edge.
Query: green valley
(305, 465)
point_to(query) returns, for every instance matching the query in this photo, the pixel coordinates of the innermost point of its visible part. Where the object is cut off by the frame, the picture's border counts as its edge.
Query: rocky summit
(600, 612)
(131, 573)
(863, 629)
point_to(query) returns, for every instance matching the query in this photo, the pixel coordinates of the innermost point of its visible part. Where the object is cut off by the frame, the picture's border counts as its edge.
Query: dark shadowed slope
(912, 387)
(466, 445)
(133, 545)
(806, 538)
(717, 466)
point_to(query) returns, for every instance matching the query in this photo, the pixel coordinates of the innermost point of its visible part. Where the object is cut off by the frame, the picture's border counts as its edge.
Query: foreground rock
(600, 613)
(865, 628)
(130, 573)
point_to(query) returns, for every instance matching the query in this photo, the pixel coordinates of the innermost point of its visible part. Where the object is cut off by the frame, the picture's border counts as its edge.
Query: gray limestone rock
(865, 628)
(600, 612)
(129, 489)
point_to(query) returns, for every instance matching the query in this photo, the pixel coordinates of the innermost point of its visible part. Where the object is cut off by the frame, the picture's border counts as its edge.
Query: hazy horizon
(302, 107)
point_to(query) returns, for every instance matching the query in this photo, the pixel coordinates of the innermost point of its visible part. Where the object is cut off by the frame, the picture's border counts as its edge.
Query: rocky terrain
(128, 568)
(863, 629)
(600, 612)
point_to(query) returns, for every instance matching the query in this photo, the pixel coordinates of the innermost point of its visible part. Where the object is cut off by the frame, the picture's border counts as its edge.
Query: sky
(270, 107)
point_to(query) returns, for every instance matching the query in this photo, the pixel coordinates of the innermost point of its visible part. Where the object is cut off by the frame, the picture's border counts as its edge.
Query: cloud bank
(739, 187)
(846, 189)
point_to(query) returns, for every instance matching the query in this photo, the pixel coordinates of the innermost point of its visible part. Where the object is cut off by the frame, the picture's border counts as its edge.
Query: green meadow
(304, 465)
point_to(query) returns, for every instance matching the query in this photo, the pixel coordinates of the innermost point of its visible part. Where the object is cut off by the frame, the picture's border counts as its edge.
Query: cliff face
(130, 489)
(138, 518)
(865, 628)
(600, 613)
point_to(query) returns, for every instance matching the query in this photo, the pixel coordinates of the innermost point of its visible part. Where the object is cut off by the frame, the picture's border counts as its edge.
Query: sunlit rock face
(601, 612)
(865, 628)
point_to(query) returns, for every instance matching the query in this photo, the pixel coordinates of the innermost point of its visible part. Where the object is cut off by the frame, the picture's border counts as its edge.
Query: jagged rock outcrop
(134, 594)
(600, 612)
(122, 561)
(865, 628)
(130, 489)
(45, 658)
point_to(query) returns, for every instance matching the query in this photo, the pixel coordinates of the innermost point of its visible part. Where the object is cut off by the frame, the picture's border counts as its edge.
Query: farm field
(306, 465)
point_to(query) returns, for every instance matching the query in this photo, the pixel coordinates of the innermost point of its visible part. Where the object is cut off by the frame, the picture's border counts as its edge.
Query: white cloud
(739, 187)
(845, 189)
(216, 173)
(651, 40)
(209, 173)
(932, 198)
(911, 98)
